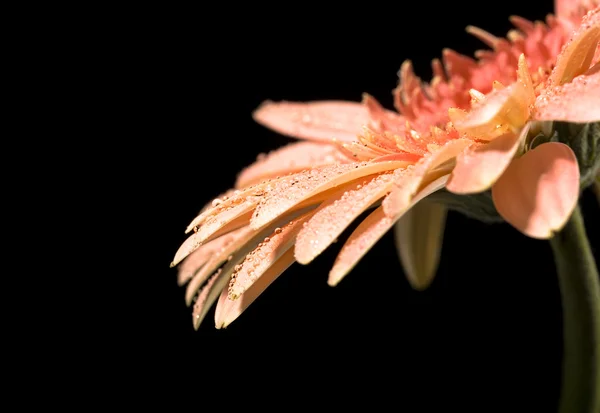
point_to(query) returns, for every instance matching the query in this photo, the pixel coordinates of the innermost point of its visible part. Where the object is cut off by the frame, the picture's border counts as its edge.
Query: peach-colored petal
(418, 238)
(207, 297)
(477, 169)
(570, 9)
(335, 214)
(214, 227)
(357, 151)
(577, 54)
(254, 273)
(264, 255)
(290, 191)
(382, 119)
(321, 120)
(409, 183)
(484, 36)
(503, 110)
(241, 200)
(291, 158)
(578, 101)
(538, 192)
(228, 311)
(219, 257)
(202, 255)
(188, 246)
(219, 280)
(369, 232)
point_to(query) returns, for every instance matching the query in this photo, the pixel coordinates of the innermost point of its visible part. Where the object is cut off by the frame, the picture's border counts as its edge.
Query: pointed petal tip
(418, 238)
(262, 106)
(196, 322)
(335, 277)
(302, 259)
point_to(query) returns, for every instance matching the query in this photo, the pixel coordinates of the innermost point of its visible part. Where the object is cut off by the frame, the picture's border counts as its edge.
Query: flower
(465, 130)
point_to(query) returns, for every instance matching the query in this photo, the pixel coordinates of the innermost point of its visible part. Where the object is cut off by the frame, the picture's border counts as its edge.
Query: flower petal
(240, 200)
(257, 271)
(418, 238)
(572, 9)
(382, 119)
(228, 311)
(208, 295)
(369, 232)
(219, 257)
(501, 110)
(578, 101)
(408, 184)
(264, 255)
(289, 159)
(320, 120)
(577, 54)
(335, 214)
(215, 227)
(538, 192)
(202, 255)
(290, 191)
(477, 169)
(211, 291)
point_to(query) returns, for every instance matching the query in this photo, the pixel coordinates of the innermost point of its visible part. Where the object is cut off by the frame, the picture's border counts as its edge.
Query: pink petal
(188, 246)
(287, 193)
(538, 192)
(418, 238)
(226, 215)
(213, 228)
(409, 183)
(257, 271)
(571, 9)
(369, 232)
(578, 101)
(357, 151)
(241, 200)
(207, 297)
(502, 110)
(477, 169)
(335, 214)
(203, 254)
(382, 119)
(289, 159)
(242, 236)
(577, 54)
(321, 120)
(219, 280)
(264, 255)
(228, 311)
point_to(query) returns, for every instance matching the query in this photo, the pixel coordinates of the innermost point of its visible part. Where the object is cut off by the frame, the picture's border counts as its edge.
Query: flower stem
(580, 292)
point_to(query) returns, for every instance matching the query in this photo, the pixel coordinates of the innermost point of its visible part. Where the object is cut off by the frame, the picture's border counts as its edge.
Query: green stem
(580, 291)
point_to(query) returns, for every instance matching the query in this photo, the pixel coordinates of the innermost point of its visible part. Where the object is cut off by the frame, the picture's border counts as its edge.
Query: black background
(485, 337)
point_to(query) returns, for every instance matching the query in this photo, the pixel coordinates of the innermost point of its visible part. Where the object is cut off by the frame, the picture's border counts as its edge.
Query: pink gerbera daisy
(470, 129)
